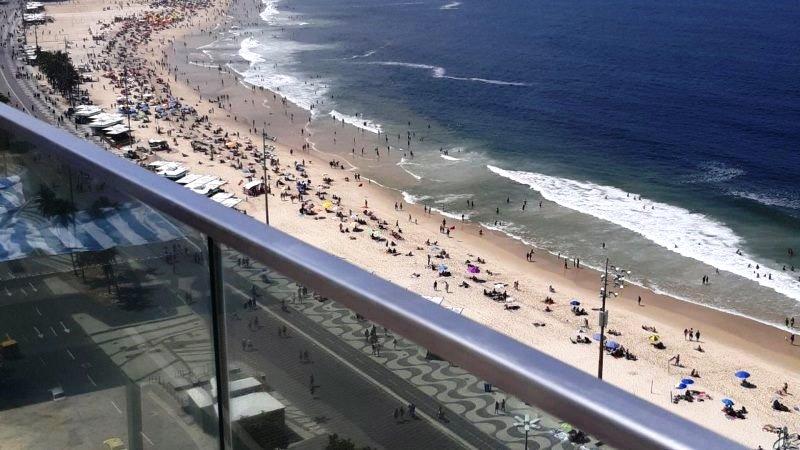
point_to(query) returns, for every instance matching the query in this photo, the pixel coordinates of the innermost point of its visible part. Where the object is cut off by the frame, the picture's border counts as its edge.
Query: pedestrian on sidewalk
(496, 407)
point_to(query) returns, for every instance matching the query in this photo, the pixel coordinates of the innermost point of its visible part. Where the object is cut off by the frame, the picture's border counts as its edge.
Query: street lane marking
(71, 355)
(147, 438)
(37, 311)
(38, 333)
(114, 404)
(54, 331)
(91, 380)
(32, 287)
(66, 330)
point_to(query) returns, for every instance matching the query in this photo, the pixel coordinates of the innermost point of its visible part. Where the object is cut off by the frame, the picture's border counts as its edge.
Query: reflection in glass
(104, 313)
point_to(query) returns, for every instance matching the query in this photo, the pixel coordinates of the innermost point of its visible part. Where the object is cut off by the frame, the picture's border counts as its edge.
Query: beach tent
(188, 178)
(231, 202)
(221, 196)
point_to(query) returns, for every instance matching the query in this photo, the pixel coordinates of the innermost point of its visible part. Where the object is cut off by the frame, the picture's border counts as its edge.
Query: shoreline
(730, 335)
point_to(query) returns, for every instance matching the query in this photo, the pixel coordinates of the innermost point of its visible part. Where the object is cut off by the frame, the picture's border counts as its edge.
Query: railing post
(216, 282)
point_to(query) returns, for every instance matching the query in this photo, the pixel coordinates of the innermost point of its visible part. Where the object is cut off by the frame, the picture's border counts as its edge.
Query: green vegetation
(4, 98)
(59, 71)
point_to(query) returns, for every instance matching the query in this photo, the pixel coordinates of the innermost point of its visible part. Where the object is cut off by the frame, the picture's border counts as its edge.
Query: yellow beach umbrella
(327, 204)
(653, 338)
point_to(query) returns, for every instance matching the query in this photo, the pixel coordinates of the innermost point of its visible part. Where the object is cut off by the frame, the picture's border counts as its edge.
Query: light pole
(526, 423)
(266, 182)
(619, 283)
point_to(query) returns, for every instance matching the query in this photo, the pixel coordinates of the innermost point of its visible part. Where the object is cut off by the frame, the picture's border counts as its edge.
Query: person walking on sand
(697, 335)
(685, 334)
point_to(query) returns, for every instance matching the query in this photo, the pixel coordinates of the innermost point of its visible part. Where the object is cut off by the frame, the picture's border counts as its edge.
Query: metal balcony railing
(604, 411)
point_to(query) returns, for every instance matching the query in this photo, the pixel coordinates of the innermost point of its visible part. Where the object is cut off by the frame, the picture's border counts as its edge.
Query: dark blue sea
(670, 131)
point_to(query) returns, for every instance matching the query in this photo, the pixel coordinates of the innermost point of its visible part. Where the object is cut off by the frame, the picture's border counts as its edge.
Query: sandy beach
(333, 150)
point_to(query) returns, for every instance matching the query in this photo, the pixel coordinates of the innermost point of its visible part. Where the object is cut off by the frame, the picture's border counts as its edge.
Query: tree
(59, 71)
(50, 206)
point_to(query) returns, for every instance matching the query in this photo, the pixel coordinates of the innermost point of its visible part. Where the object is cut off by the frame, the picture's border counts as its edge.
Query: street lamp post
(619, 280)
(526, 423)
(266, 182)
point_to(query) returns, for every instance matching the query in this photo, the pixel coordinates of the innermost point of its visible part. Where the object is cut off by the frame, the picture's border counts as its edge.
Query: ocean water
(670, 131)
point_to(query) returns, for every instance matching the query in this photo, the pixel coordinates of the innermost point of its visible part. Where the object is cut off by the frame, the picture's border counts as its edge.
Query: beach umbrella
(596, 336)
(742, 375)
(327, 204)
(653, 338)
(442, 268)
(473, 269)
(566, 427)
(727, 402)
(687, 381)
(613, 345)
(574, 302)
(680, 386)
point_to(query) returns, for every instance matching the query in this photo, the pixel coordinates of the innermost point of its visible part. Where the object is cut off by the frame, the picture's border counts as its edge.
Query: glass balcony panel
(306, 370)
(104, 314)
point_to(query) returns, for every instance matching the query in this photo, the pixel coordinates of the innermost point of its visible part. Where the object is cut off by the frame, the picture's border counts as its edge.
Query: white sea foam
(269, 68)
(205, 65)
(364, 55)
(270, 13)
(440, 72)
(448, 157)
(773, 199)
(246, 51)
(687, 233)
(714, 172)
(357, 121)
(451, 215)
(452, 198)
(414, 199)
(402, 163)
(451, 5)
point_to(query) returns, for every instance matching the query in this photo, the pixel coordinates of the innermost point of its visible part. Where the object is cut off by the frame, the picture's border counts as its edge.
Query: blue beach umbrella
(613, 345)
(727, 402)
(574, 302)
(680, 386)
(687, 381)
(742, 375)
(596, 336)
